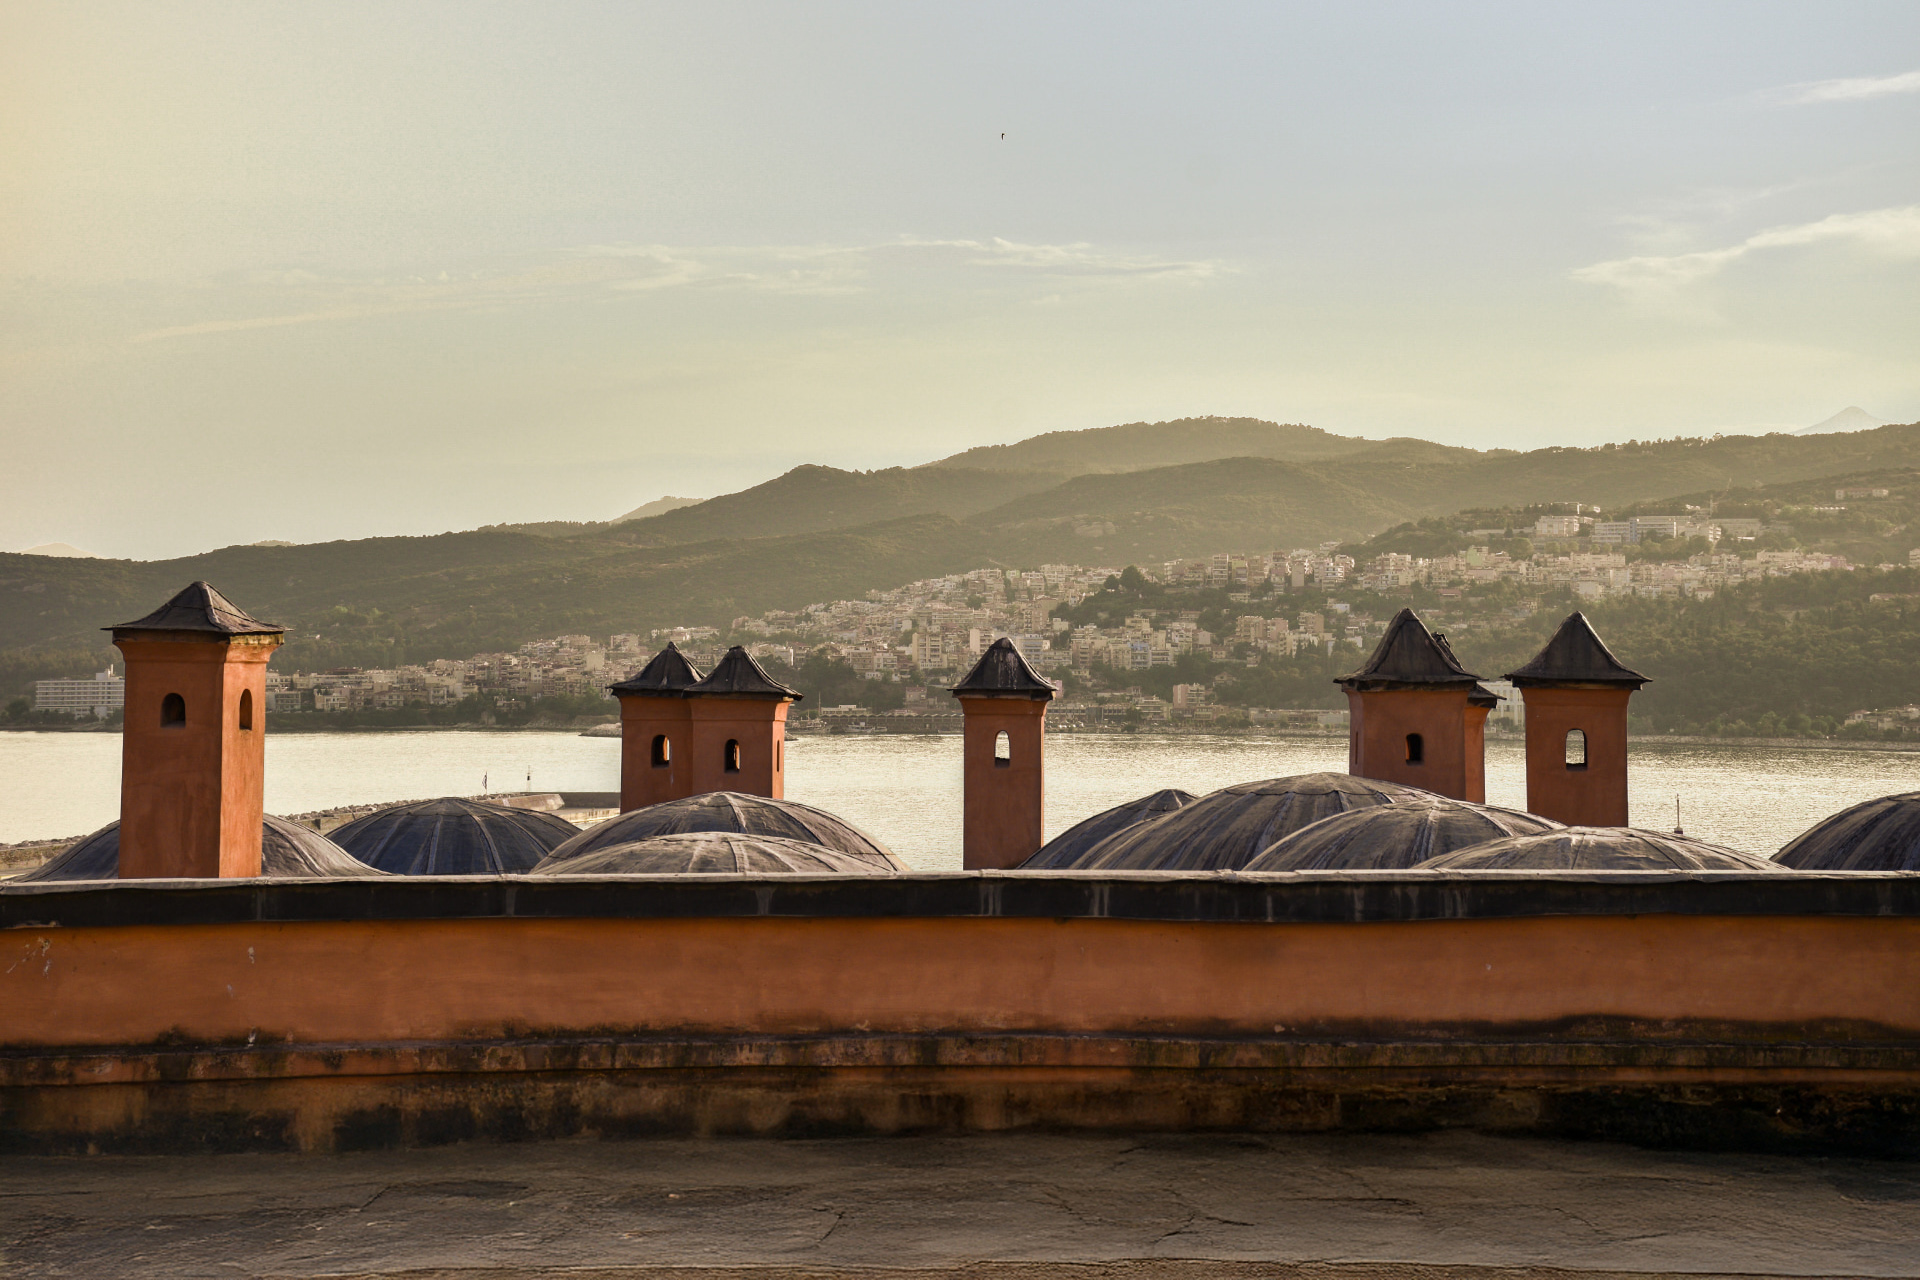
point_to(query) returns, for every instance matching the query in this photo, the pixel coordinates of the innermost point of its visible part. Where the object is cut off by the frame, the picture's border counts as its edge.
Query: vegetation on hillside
(391, 601)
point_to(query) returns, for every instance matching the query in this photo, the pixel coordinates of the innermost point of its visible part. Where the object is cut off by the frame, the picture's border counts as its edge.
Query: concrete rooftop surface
(1007, 1207)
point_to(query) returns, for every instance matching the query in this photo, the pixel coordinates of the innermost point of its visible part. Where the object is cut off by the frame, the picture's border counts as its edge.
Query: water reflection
(906, 790)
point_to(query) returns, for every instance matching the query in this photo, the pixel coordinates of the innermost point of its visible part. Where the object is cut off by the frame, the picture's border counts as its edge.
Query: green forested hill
(392, 600)
(810, 499)
(1752, 658)
(819, 533)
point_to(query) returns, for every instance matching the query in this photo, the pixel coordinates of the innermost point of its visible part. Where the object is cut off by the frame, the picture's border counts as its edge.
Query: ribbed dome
(729, 811)
(1066, 849)
(1228, 829)
(1390, 836)
(1598, 849)
(711, 853)
(287, 851)
(454, 837)
(1879, 835)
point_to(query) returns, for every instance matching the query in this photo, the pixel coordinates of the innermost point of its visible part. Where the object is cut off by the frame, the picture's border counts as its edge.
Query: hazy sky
(328, 270)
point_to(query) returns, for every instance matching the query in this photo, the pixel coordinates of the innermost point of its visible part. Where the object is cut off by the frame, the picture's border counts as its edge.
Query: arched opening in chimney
(1576, 748)
(731, 760)
(246, 710)
(1416, 749)
(173, 712)
(1002, 750)
(662, 751)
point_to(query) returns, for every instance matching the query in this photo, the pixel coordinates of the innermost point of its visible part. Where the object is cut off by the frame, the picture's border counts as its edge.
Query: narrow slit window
(662, 751)
(1576, 749)
(731, 760)
(1002, 750)
(173, 712)
(246, 710)
(1416, 749)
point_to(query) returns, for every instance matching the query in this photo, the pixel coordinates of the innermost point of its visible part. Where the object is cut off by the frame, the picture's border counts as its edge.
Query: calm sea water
(905, 791)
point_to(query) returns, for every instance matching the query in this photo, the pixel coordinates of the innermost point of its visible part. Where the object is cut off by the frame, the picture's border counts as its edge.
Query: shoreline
(807, 729)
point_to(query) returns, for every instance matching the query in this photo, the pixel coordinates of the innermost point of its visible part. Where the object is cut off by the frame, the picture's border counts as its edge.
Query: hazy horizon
(323, 271)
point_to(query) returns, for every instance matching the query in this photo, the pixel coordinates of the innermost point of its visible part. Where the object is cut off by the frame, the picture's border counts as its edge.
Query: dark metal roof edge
(1575, 640)
(1226, 898)
(203, 611)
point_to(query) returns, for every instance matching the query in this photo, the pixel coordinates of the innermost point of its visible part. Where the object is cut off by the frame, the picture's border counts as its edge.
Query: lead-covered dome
(1878, 835)
(714, 853)
(1598, 849)
(1066, 849)
(453, 837)
(287, 851)
(1391, 836)
(1229, 828)
(729, 811)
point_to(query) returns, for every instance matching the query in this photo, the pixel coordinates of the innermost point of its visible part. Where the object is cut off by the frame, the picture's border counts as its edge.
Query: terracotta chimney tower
(656, 731)
(738, 717)
(1576, 695)
(193, 754)
(1416, 715)
(1004, 702)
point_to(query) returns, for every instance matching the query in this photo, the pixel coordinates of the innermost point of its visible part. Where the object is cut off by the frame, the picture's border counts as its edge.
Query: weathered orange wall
(1004, 808)
(641, 720)
(1595, 796)
(760, 727)
(190, 795)
(1452, 733)
(1648, 977)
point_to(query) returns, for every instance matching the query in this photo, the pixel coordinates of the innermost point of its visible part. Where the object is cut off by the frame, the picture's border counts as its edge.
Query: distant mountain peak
(60, 549)
(658, 507)
(1851, 418)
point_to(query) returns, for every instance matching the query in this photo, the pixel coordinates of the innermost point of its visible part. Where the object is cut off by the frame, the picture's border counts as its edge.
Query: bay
(905, 790)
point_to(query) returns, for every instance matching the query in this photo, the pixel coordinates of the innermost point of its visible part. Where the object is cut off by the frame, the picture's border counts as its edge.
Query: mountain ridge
(820, 533)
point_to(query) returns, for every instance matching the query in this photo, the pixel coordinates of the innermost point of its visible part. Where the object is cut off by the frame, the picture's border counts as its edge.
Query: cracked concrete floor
(1007, 1207)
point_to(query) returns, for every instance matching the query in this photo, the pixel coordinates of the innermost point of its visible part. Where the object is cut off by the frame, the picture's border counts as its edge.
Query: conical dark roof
(1390, 836)
(713, 853)
(732, 812)
(199, 607)
(1229, 828)
(454, 837)
(1066, 849)
(1410, 656)
(1003, 672)
(668, 674)
(739, 676)
(1575, 655)
(1598, 849)
(1879, 835)
(287, 851)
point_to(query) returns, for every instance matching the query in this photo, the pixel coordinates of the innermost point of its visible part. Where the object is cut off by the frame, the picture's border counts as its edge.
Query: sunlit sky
(313, 271)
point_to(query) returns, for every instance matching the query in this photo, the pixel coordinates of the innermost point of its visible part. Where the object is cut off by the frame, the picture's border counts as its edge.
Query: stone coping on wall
(1312, 897)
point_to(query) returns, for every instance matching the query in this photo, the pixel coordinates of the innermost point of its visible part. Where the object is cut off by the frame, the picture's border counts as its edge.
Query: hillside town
(1316, 600)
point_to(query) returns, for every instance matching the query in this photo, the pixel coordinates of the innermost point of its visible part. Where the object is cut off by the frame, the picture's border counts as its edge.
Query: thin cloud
(1892, 232)
(282, 299)
(1854, 89)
